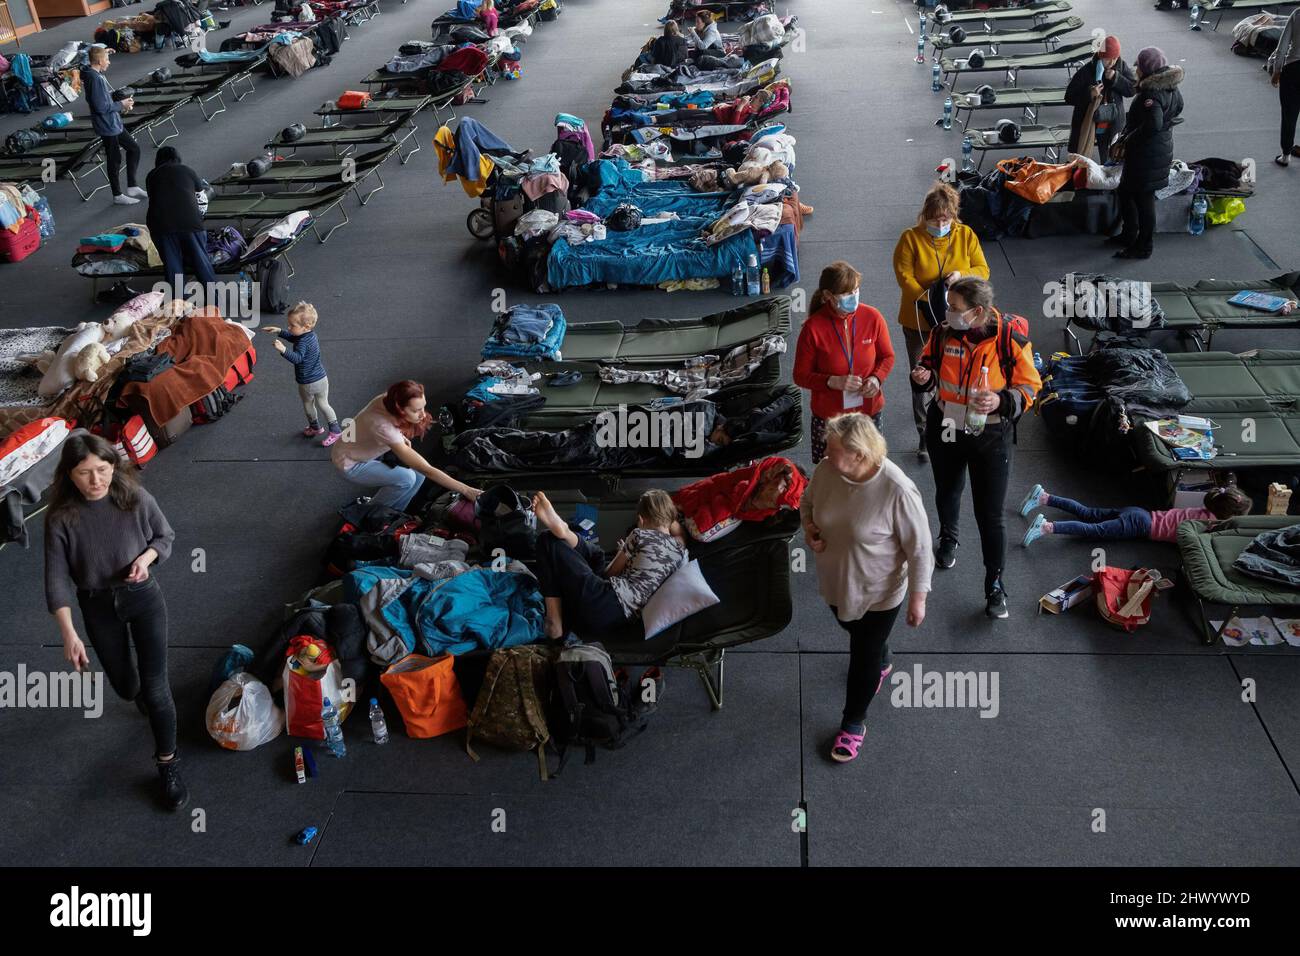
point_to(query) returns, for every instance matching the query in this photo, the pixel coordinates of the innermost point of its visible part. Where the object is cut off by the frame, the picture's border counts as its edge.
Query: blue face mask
(848, 303)
(939, 231)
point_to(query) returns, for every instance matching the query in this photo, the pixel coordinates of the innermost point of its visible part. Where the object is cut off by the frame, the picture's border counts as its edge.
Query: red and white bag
(312, 673)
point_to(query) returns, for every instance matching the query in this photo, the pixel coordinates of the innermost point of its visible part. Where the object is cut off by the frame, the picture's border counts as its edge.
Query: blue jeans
(177, 248)
(397, 486)
(1103, 523)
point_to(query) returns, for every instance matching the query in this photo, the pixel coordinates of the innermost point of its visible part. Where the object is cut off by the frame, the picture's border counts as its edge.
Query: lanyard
(853, 340)
(944, 261)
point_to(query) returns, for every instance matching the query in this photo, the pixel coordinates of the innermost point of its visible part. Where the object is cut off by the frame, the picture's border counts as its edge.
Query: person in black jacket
(1147, 148)
(1104, 80)
(174, 220)
(670, 49)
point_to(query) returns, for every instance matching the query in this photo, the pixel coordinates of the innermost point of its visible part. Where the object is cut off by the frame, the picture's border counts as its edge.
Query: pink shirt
(1164, 524)
(375, 432)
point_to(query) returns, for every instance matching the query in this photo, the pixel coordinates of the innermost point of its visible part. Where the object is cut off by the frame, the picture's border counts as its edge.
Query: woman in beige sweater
(864, 520)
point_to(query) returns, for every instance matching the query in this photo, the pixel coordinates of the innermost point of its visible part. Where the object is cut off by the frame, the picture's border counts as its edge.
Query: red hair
(399, 395)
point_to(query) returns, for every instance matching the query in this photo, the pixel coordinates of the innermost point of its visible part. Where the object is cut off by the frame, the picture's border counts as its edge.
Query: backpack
(225, 245)
(506, 521)
(22, 140)
(274, 279)
(213, 405)
(1013, 334)
(510, 710)
(594, 703)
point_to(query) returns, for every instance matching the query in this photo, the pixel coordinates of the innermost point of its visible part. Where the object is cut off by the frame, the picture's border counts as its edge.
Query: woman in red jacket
(844, 353)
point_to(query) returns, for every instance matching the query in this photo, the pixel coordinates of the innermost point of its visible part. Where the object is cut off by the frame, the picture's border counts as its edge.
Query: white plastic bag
(242, 715)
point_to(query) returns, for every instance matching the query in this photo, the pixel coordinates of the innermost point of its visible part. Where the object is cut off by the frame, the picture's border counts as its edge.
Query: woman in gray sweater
(102, 533)
(864, 520)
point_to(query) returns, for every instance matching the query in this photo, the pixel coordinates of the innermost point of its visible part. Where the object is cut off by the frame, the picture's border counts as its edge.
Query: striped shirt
(304, 353)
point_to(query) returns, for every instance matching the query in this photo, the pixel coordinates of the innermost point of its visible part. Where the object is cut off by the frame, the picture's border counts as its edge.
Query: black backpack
(506, 521)
(594, 704)
(22, 140)
(214, 405)
(274, 279)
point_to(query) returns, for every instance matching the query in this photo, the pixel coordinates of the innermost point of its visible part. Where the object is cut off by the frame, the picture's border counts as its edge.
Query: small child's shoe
(311, 431)
(331, 438)
(1035, 531)
(1031, 501)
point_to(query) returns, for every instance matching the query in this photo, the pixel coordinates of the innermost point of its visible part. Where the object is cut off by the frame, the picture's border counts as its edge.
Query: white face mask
(957, 321)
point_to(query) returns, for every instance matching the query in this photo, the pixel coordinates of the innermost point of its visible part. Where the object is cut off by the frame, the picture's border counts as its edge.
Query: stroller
(504, 202)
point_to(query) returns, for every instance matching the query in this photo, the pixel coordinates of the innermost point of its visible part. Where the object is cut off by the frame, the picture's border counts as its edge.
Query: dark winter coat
(1149, 130)
(1113, 91)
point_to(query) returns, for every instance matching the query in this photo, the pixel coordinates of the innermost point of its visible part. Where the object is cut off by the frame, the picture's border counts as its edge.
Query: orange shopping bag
(427, 695)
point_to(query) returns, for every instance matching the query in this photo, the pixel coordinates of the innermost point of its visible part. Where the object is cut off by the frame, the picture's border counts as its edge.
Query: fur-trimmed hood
(1165, 78)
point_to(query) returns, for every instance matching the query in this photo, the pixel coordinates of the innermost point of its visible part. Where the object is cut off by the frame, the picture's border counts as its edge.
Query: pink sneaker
(331, 438)
(311, 431)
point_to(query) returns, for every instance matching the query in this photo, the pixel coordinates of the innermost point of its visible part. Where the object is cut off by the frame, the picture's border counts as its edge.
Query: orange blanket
(203, 347)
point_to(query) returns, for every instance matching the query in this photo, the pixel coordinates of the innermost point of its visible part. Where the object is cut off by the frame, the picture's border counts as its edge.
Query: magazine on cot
(1260, 301)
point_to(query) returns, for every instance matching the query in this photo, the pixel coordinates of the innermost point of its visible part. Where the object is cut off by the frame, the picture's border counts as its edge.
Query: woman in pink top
(1118, 524)
(387, 424)
(487, 12)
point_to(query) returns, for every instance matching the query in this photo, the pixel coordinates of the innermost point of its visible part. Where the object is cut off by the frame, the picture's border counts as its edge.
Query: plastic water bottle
(1195, 16)
(1038, 361)
(1196, 224)
(752, 286)
(378, 726)
(329, 716)
(920, 48)
(738, 280)
(975, 421)
(936, 78)
(967, 154)
(921, 14)
(947, 112)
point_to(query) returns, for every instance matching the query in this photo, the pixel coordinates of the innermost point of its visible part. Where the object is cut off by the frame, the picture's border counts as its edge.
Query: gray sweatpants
(316, 398)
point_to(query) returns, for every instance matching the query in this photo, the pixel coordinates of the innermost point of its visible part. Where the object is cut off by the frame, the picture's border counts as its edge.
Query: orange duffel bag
(353, 100)
(427, 695)
(1035, 181)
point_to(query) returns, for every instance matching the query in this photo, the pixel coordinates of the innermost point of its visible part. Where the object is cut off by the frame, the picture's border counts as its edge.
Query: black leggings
(988, 458)
(1138, 208)
(1289, 91)
(114, 146)
(576, 576)
(868, 658)
(116, 619)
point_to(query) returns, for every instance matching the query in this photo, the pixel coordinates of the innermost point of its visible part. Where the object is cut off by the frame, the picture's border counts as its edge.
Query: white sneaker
(124, 200)
(137, 192)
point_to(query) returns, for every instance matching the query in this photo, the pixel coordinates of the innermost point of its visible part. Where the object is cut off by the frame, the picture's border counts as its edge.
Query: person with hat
(106, 119)
(1285, 67)
(1097, 92)
(1146, 149)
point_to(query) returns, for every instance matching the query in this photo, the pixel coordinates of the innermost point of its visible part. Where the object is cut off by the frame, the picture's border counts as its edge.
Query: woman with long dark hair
(387, 424)
(103, 532)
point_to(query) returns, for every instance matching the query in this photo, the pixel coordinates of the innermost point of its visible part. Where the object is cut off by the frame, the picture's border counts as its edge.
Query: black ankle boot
(174, 792)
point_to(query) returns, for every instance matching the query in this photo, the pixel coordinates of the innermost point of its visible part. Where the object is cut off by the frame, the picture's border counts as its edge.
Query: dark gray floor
(1149, 728)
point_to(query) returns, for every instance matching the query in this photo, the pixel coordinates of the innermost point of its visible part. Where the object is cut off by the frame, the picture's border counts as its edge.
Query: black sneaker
(174, 792)
(995, 605)
(945, 556)
(1133, 253)
(921, 454)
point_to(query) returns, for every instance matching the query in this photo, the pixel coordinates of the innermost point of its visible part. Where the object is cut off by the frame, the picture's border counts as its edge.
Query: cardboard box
(1067, 595)
(1191, 493)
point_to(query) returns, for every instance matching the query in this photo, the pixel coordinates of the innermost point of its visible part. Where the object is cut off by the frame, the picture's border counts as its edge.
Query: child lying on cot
(584, 595)
(1126, 524)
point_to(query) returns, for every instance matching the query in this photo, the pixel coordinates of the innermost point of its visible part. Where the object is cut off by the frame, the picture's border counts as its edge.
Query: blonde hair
(657, 508)
(98, 54)
(859, 434)
(838, 278)
(671, 29)
(941, 200)
(305, 313)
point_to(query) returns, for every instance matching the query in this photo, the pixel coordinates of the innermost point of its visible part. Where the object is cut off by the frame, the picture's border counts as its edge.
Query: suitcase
(17, 246)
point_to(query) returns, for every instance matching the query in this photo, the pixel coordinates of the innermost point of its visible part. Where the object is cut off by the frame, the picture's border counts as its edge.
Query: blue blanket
(659, 197)
(472, 137)
(648, 256)
(782, 247)
(532, 331)
(466, 11)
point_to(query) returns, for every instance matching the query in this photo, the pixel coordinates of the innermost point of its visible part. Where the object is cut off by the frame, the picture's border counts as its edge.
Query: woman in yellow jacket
(971, 423)
(939, 246)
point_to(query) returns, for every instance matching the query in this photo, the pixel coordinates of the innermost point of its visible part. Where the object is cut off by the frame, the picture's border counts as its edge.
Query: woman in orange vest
(939, 246)
(970, 425)
(844, 353)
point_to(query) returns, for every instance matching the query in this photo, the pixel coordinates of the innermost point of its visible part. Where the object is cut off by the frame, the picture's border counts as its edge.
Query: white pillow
(684, 593)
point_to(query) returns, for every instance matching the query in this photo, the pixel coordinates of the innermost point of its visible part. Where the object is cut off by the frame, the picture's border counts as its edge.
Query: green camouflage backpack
(510, 711)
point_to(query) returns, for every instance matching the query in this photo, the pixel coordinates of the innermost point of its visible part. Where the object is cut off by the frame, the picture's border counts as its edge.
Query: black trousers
(1289, 91)
(576, 577)
(868, 657)
(988, 459)
(1138, 207)
(114, 147)
(118, 618)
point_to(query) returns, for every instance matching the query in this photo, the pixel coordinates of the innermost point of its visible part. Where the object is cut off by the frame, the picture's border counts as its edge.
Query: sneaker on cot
(1035, 531)
(1031, 501)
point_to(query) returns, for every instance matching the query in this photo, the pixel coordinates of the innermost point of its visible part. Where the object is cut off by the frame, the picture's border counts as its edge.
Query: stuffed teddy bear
(87, 362)
(80, 356)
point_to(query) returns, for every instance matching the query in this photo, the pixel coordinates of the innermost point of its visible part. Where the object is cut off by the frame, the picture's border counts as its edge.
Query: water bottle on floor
(967, 154)
(975, 421)
(936, 78)
(920, 48)
(752, 286)
(329, 716)
(947, 112)
(1195, 17)
(921, 14)
(378, 726)
(738, 280)
(1196, 224)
